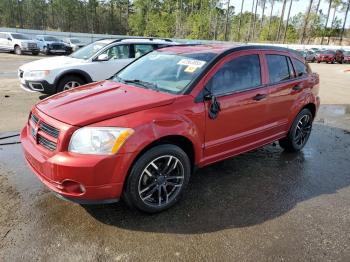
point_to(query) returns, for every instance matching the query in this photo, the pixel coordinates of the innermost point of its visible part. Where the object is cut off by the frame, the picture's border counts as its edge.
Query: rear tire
(18, 50)
(69, 82)
(299, 133)
(158, 179)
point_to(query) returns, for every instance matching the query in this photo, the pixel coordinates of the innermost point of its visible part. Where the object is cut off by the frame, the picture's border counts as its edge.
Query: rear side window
(300, 68)
(279, 68)
(242, 73)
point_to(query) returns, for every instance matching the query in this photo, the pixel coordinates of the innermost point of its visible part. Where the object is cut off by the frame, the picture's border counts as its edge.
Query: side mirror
(102, 57)
(9, 38)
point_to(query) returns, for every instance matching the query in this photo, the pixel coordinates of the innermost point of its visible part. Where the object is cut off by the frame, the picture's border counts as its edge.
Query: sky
(298, 6)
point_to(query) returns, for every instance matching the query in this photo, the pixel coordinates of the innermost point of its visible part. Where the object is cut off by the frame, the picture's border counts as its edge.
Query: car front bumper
(85, 179)
(38, 86)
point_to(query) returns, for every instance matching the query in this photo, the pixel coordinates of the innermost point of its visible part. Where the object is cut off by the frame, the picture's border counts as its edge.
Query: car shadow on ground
(246, 190)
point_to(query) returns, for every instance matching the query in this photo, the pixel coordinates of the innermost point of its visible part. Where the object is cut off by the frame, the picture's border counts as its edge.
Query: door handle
(297, 88)
(259, 97)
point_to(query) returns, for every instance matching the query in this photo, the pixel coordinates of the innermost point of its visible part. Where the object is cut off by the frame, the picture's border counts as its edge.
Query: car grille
(32, 45)
(57, 47)
(43, 133)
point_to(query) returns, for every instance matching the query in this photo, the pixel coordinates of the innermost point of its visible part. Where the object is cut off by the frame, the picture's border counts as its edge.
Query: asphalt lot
(265, 205)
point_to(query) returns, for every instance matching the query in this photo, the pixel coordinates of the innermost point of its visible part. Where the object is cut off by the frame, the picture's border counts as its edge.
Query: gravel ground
(265, 205)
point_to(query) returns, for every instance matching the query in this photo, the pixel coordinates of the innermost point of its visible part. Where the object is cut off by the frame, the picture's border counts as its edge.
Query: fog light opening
(73, 187)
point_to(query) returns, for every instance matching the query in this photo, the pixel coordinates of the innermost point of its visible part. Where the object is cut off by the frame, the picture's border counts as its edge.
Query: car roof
(222, 48)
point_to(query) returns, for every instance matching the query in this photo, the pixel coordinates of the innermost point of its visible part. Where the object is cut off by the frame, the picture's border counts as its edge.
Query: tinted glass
(240, 74)
(278, 68)
(142, 49)
(300, 68)
(117, 52)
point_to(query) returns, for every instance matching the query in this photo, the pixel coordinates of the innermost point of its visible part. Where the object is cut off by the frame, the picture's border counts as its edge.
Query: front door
(237, 83)
(118, 57)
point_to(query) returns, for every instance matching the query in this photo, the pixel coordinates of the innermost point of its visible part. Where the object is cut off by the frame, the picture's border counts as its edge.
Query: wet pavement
(265, 205)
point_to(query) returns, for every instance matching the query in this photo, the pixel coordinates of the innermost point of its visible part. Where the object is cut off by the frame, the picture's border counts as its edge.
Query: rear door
(284, 87)
(237, 83)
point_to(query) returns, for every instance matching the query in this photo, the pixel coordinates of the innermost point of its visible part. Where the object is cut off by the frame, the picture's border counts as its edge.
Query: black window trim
(295, 70)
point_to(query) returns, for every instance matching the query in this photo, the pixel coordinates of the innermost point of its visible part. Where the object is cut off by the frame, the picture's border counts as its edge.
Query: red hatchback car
(141, 134)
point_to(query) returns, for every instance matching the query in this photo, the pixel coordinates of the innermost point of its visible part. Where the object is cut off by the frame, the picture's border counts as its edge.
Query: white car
(74, 43)
(18, 43)
(97, 61)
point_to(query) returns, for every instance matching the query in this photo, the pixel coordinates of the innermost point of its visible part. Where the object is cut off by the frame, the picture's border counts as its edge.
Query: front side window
(300, 68)
(165, 71)
(242, 73)
(118, 52)
(142, 49)
(279, 68)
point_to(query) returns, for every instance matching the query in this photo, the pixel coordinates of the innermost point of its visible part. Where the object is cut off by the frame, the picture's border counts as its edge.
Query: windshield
(74, 41)
(165, 71)
(20, 36)
(88, 51)
(51, 39)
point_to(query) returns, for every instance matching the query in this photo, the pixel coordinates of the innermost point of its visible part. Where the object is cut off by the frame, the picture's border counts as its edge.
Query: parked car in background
(310, 56)
(52, 45)
(339, 56)
(18, 43)
(327, 56)
(97, 61)
(346, 57)
(74, 43)
(141, 134)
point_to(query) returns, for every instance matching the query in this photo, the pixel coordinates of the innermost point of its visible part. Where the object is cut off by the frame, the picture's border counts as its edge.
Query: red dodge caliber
(140, 135)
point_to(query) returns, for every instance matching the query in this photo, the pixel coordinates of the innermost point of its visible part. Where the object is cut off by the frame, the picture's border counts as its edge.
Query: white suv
(97, 61)
(18, 43)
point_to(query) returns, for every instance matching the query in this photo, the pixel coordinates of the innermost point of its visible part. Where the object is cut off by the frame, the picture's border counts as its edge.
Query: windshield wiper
(142, 83)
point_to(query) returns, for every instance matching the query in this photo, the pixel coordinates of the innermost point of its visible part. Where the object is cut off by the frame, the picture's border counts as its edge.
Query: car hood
(101, 101)
(51, 63)
(26, 41)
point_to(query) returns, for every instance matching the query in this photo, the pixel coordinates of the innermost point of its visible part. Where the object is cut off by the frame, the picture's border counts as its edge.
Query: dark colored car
(339, 56)
(346, 57)
(140, 135)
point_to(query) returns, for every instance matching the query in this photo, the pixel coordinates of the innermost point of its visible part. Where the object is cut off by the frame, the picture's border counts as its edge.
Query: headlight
(99, 140)
(36, 75)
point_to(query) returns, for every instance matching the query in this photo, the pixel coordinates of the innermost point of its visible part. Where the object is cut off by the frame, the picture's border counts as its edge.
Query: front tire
(158, 179)
(299, 133)
(18, 50)
(69, 82)
(35, 53)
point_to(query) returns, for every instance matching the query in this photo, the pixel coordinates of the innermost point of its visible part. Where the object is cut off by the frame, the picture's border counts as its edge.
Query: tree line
(193, 19)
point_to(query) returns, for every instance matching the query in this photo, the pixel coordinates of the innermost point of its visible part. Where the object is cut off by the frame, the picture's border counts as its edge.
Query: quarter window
(300, 67)
(279, 68)
(142, 49)
(240, 74)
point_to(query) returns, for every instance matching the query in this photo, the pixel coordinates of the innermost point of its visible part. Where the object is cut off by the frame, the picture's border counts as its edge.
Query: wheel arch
(179, 140)
(76, 72)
